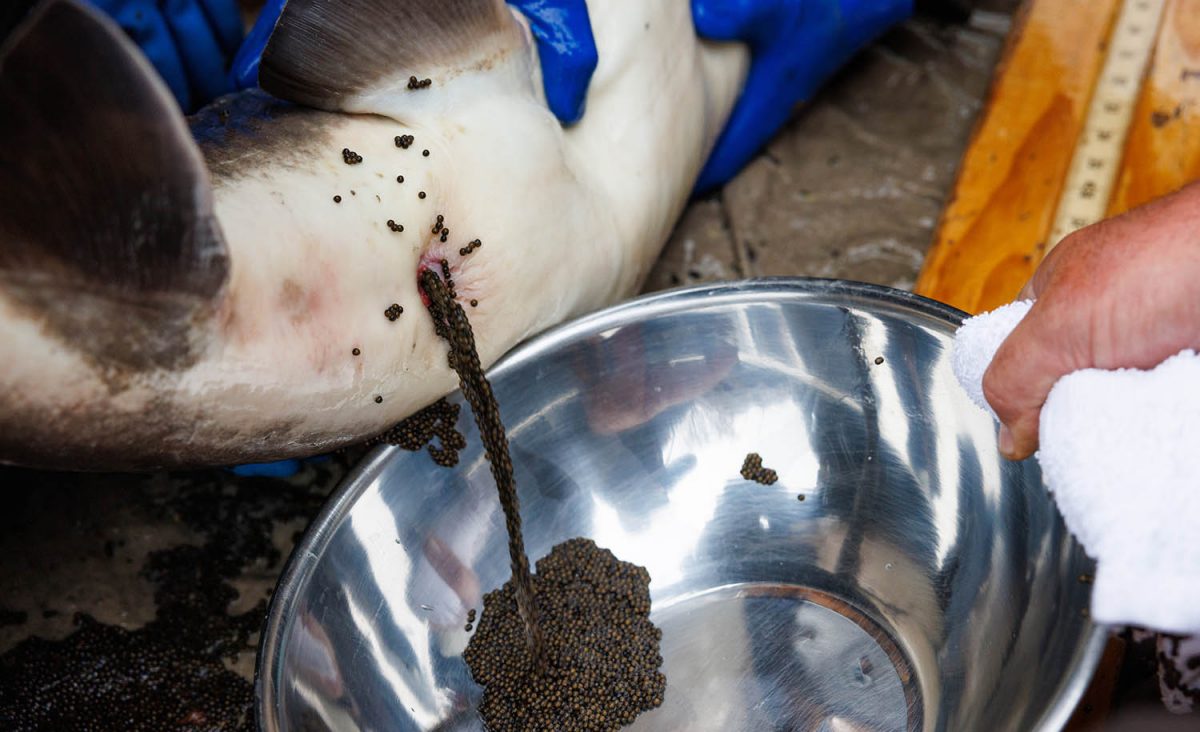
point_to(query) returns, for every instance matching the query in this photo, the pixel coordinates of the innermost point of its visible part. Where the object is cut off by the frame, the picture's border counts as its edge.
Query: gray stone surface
(854, 185)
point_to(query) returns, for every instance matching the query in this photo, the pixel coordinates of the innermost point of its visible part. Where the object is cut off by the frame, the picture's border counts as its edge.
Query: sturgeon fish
(228, 288)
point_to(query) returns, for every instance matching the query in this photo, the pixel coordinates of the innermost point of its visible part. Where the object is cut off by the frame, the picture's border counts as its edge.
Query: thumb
(734, 20)
(1038, 352)
(562, 30)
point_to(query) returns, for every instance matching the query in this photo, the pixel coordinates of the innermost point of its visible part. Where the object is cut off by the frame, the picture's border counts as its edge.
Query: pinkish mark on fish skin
(421, 290)
(297, 301)
(306, 308)
(439, 250)
(430, 261)
(324, 323)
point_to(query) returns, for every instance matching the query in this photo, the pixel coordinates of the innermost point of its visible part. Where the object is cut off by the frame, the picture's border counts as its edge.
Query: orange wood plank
(1162, 152)
(991, 234)
(1094, 708)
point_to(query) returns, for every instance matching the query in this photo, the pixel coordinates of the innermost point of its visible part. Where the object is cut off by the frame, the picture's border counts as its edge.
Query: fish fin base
(337, 54)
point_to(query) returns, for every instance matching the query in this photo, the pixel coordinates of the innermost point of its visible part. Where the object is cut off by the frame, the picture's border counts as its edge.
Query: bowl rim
(300, 563)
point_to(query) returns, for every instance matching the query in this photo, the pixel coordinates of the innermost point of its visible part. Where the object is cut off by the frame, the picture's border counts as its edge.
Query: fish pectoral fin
(340, 55)
(107, 231)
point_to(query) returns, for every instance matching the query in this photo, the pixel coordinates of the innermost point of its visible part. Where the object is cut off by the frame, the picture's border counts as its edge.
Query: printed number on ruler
(1097, 155)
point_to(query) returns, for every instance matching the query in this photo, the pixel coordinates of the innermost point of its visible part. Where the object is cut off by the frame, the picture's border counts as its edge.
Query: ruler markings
(1097, 157)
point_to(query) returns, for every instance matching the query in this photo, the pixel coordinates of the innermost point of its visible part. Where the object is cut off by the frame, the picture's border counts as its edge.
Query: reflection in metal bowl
(923, 583)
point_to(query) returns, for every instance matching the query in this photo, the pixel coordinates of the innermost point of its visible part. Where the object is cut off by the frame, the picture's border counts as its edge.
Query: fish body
(272, 330)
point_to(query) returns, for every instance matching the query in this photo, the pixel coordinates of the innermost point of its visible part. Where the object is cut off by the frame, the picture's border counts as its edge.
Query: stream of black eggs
(570, 647)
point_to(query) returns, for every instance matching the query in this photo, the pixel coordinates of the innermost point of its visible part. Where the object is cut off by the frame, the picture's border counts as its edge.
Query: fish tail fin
(107, 232)
(385, 56)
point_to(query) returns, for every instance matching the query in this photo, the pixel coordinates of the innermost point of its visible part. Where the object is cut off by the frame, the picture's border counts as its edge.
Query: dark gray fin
(12, 13)
(107, 232)
(324, 53)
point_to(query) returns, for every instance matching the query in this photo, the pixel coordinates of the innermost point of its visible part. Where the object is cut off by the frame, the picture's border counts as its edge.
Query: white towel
(1120, 451)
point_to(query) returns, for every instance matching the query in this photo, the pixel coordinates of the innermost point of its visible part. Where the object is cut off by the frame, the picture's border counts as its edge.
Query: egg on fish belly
(245, 312)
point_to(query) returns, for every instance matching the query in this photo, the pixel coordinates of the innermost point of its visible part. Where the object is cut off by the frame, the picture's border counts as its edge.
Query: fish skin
(571, 221)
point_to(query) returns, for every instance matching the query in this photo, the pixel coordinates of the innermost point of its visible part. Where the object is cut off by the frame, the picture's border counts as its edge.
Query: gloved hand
(796, 45)
(567, 49)
(561, 28)
(189, 42)
(277, 469)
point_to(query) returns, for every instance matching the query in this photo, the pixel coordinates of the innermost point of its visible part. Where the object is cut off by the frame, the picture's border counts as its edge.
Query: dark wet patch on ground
(174, 672)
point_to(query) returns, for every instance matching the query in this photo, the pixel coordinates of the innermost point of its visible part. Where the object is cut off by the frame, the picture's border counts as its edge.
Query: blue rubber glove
(796, 45)
(244, 72)
(567, 49)
(561, 29)
(278, 469)
(189, 42)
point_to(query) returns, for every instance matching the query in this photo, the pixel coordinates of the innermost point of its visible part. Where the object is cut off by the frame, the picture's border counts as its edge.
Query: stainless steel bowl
(899, 576)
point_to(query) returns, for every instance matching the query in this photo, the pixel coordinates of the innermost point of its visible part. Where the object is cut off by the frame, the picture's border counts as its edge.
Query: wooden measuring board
(1162, 152)
(1098, 152)
(1095, 108)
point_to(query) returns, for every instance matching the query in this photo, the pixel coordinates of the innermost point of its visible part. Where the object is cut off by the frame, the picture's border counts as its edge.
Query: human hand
(1119, 294)
(562, 30)
(189, 42)
(796, 45)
